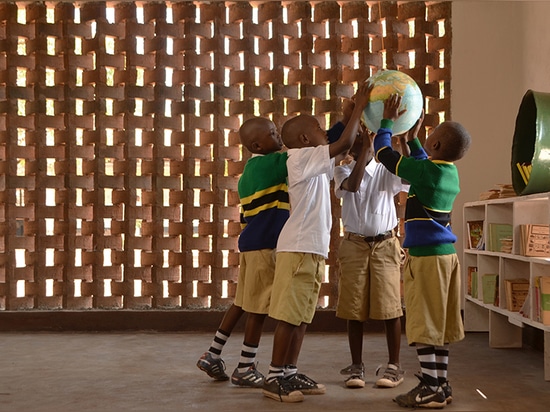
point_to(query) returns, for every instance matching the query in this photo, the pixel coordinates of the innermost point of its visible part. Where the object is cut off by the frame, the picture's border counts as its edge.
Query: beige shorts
(257, 269)
(296, 287)
(432, 300)
(370, 280)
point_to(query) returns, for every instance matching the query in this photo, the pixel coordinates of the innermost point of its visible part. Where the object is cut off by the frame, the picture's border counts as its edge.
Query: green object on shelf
(489, 286)
(531, 144)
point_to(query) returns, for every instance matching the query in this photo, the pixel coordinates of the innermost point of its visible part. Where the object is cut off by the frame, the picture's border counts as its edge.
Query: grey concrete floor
(157, 372)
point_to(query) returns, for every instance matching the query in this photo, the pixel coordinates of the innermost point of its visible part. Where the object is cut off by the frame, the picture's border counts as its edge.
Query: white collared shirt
(310, 170)
(371, 210)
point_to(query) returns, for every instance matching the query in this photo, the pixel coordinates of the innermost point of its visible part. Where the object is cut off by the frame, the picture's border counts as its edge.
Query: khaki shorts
(296, 287)
(257, 268)
(432, 300)
(370, 280)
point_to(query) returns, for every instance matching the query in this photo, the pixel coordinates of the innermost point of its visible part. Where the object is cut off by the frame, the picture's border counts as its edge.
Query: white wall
(500, 50)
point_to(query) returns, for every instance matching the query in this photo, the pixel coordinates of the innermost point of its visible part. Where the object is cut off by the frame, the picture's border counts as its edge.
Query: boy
(432, 274)
(303, 246)
(370, 258)
(263, 194)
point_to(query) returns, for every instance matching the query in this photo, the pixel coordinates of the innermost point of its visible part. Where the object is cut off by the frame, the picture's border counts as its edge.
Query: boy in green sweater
(431, 278)
(263, 193)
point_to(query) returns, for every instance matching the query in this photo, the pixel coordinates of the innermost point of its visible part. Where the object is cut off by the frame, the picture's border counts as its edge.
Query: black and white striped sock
(217, 344)
(248, 356)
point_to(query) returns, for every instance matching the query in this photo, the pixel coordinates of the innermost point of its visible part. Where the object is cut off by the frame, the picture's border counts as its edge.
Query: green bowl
(531, 143)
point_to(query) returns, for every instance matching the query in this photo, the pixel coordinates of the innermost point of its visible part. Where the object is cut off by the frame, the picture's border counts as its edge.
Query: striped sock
(442, 362)
(290, 370)
(426, 356)
(274, 373)
(248, 356)
(216, 346)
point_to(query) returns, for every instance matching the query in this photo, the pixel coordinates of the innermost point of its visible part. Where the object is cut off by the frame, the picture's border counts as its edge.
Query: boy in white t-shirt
(303, 245)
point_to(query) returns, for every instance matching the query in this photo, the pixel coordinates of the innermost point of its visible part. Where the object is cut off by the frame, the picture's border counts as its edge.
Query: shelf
(505, 327)
(515, 318)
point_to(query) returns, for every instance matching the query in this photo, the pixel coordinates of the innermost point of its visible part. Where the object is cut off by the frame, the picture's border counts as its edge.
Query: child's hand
(413, 131)
(347, 109)
(391, 107)
(362, 96)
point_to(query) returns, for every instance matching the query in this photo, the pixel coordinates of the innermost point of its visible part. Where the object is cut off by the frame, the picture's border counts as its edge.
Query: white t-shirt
(310, 170)
(371, 210)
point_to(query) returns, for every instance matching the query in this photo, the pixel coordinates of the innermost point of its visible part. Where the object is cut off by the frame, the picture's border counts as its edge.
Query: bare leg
(230, 319)
(393, 339)
(253, 328)
(355, 339)
(296, 345)
(281, 342)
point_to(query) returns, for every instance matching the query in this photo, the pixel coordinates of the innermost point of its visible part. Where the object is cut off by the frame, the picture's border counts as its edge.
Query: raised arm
(415, 148)
(349, 134)
(353, 181)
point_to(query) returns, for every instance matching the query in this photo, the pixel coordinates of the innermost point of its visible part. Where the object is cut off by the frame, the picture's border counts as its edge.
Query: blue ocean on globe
(386, 83)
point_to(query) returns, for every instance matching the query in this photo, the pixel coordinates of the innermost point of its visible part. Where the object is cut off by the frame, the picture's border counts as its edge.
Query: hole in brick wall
(77, 288)
(49, 287)
(20, 259)
(107, 257)
(107, 287)
(137, 258)
(20, 288)
(137, 287)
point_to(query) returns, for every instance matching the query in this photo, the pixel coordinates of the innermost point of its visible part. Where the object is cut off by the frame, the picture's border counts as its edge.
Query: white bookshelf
(504, 326)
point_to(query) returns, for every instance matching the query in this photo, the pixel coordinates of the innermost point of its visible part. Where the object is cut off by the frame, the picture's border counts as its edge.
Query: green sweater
(433, 190)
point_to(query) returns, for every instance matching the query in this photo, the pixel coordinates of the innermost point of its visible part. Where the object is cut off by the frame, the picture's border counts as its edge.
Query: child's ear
(304, 139)
(256, 146)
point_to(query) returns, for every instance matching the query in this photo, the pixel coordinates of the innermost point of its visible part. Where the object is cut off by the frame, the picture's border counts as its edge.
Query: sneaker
(357, 376)
(281, 390)
(306, 385)
(355, 381)
(392, 376)
(422, 397)
(251, 377)
(448, 391)
(353, 368)
(215, 368)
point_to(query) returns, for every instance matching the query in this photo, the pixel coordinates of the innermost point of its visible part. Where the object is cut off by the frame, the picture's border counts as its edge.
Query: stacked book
(516, 293)
(534, 240)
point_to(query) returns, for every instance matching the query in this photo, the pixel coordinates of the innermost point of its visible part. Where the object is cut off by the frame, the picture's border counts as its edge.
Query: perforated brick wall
(119, 151)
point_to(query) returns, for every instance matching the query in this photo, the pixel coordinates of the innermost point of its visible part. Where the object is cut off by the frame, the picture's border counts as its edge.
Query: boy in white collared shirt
(370, 258)
(303, 246)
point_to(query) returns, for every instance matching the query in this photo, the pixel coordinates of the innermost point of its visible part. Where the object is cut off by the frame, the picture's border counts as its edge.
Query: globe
(386, 83)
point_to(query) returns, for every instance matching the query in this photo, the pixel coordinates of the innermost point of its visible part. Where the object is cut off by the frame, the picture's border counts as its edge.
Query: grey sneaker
(251, 377)
(281, 390)
(306, 385)
(448, 391)
(392, 376)
(215, 368)
(422, 396)
(356, 377)
(353, 368)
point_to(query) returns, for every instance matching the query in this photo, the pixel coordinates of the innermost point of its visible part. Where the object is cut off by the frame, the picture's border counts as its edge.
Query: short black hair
(455, 140)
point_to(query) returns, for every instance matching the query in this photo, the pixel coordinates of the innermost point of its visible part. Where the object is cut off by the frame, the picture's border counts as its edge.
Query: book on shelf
(489, 288)
(536, 298)
(500, 237)
(499, 191)
(534, 240)
(472, 281)
(544, 294)
(516, 293)
(475, 234)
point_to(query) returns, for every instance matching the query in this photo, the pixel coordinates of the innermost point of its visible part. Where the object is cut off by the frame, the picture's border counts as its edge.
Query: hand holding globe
(387, 83)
